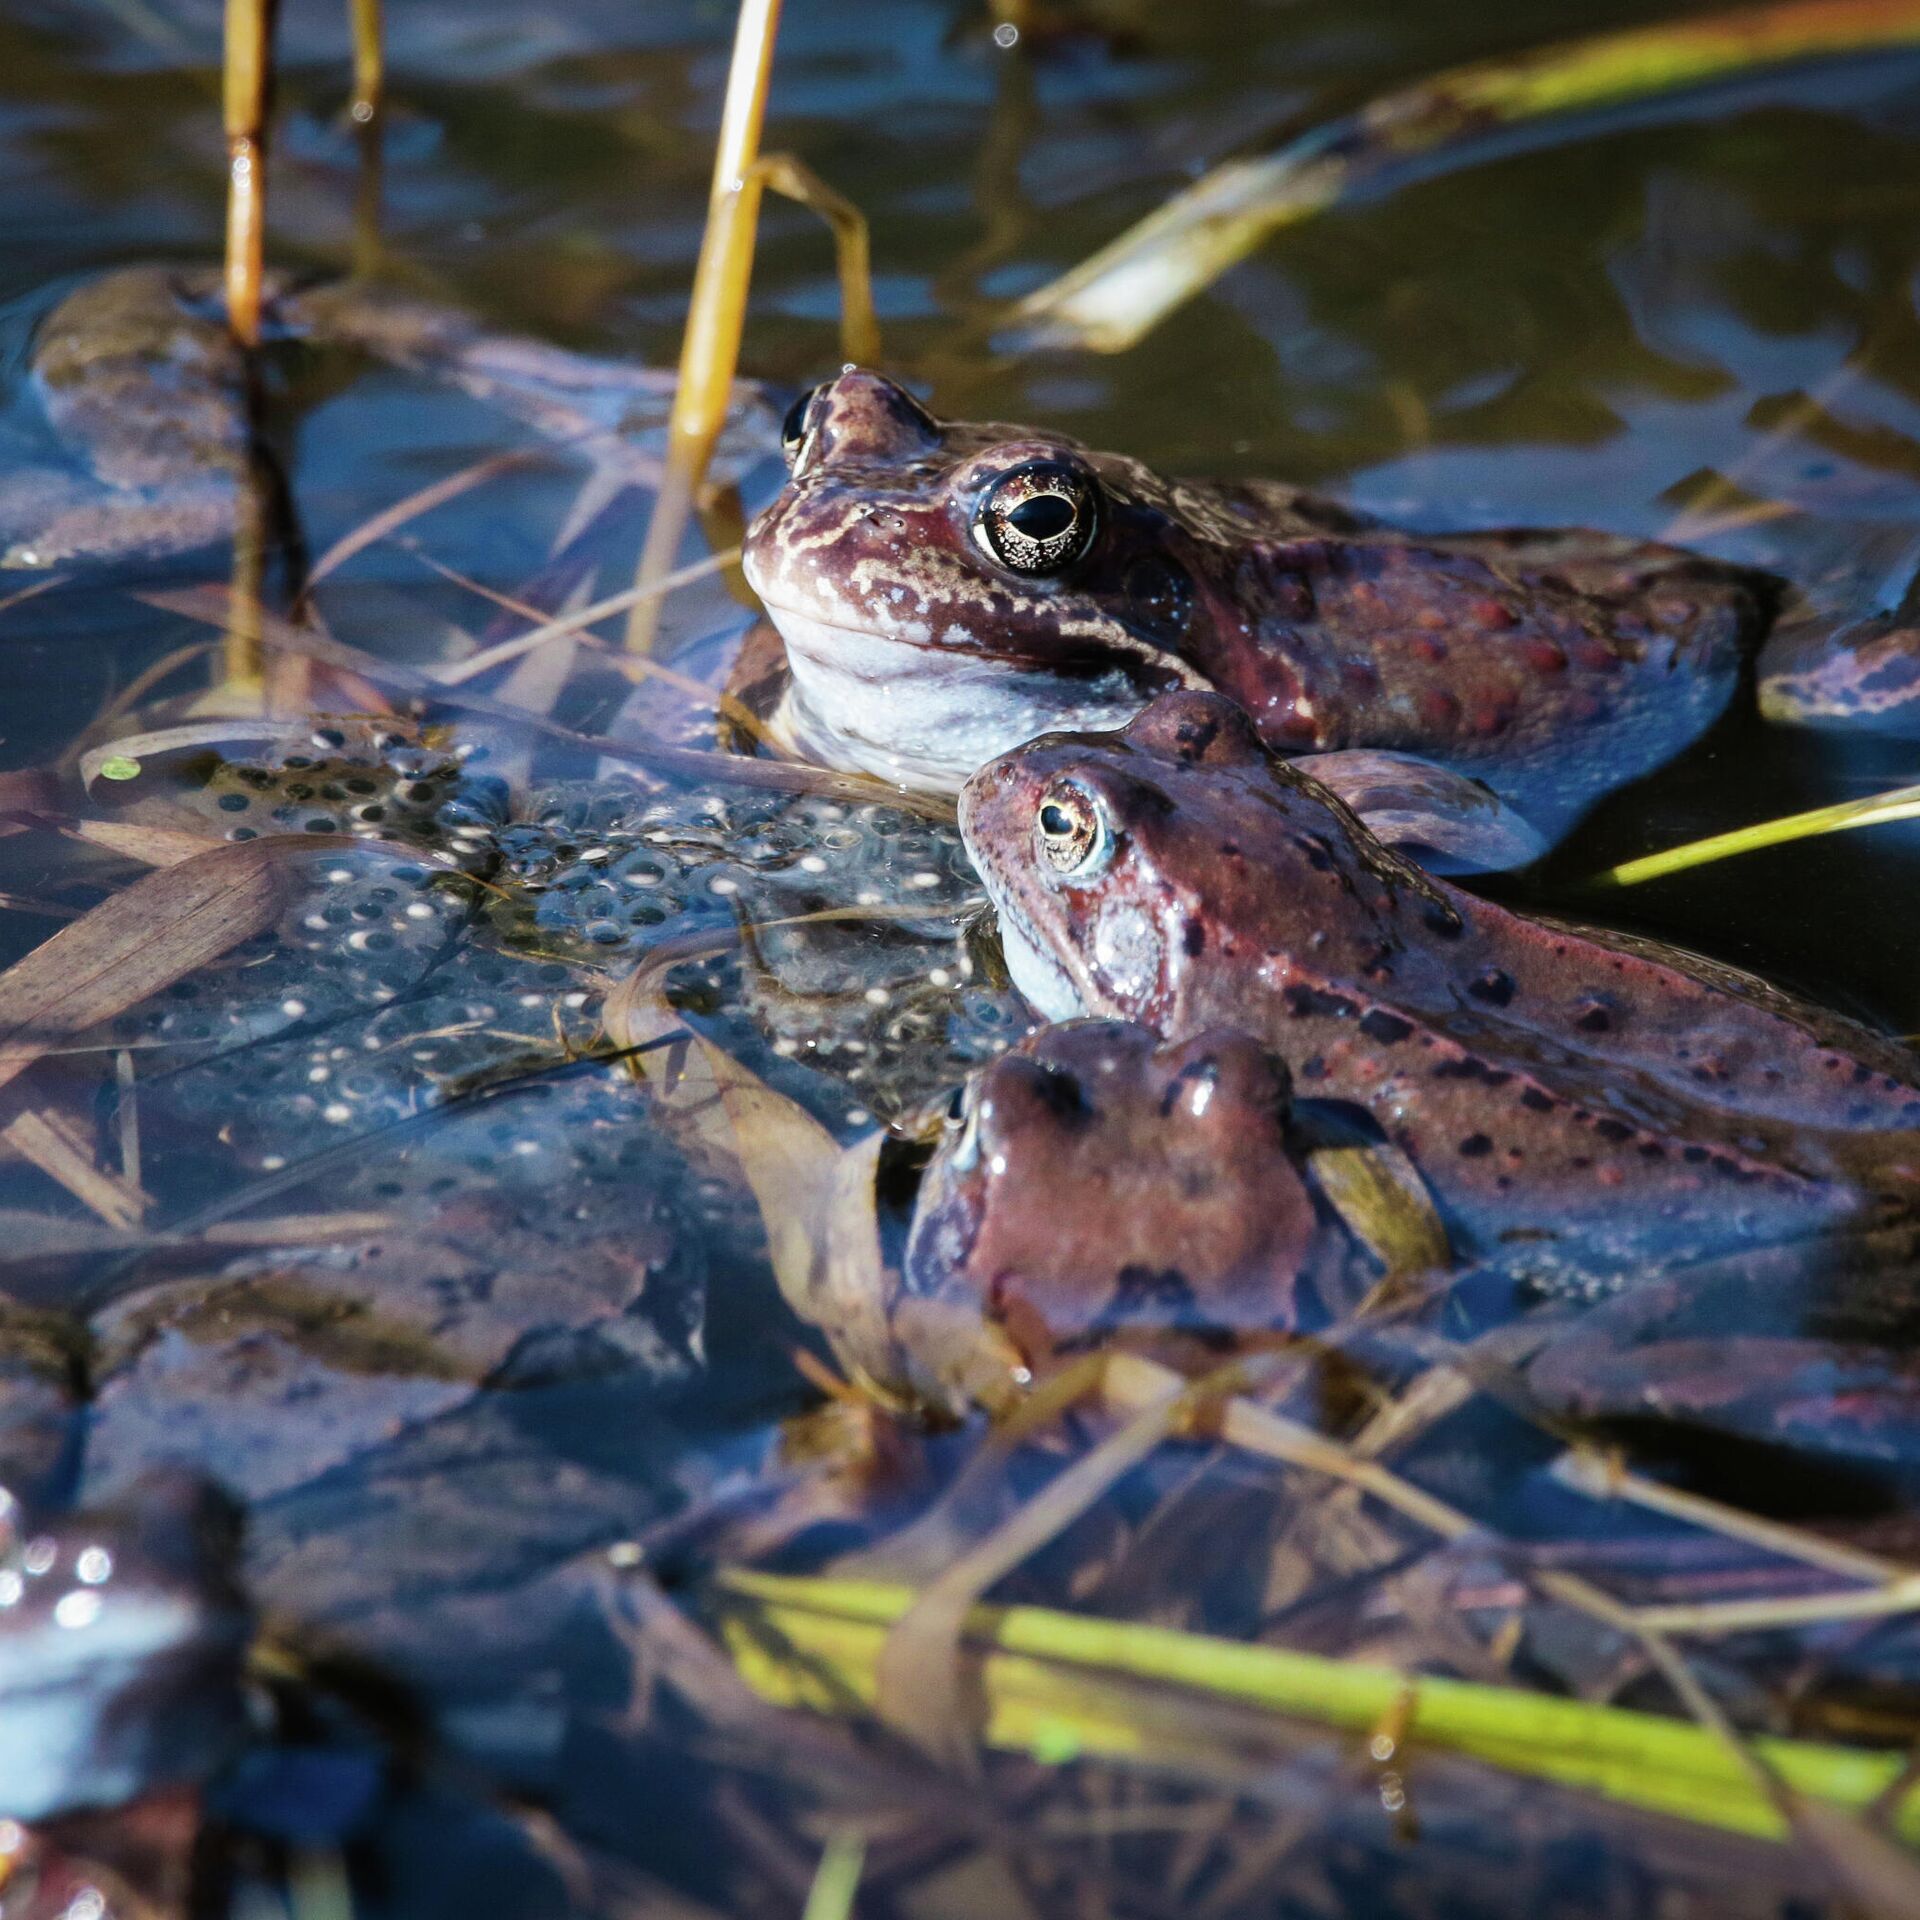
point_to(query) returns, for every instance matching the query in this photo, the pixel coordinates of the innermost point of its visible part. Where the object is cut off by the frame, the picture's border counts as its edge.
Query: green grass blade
(1877, 810)
(837, 1878)
(1047, 1681)
(1111, 300)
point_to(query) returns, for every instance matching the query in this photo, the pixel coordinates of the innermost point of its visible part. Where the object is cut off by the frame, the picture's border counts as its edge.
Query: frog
(1096, 1185)
(948, 590)
(152, 405)
(1580, 1102)
(123, 1631)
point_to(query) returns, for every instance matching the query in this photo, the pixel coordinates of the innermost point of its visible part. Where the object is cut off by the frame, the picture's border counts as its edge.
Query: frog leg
(1862, 674)
(1450, 823)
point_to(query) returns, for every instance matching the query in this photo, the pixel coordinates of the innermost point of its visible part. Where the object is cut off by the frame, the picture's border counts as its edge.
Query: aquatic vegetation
(1110, 301)
(729, 1407)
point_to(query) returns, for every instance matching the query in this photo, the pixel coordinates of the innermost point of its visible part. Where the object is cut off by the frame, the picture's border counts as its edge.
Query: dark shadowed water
(553, 1329)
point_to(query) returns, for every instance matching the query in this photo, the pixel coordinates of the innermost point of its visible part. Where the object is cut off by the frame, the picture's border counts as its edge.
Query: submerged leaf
(816, 1198)
(1383, 1202)
(1124, 291)
(142, 940)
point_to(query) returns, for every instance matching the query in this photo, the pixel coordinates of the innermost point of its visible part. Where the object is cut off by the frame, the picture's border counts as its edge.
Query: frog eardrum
(1041, 518)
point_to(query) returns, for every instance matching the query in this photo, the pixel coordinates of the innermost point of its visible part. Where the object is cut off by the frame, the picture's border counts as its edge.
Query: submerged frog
(1097, 1183)
(1578, 1102)
(122, 1635)
(947, 591)
(148, 399)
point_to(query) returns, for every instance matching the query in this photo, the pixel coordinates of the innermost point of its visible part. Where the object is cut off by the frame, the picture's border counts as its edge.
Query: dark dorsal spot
(1492, 986)
(1303, 1002)
(1476, 1146)
(1142, 1292)
(1384, 1027)
(1193, 738)
(1536, 1101)
(1442, 920)
(1193, 935)
(1614, 1130)
(1471, 1069)
(1065, 1095)
(1315, 851)
(1595, 1013)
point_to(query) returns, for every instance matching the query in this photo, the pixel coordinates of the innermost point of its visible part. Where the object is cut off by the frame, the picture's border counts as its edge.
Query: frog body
(1583, 1101)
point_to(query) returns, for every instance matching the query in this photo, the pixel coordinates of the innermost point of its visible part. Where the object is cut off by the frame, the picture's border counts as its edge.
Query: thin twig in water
(582, 618)
(424, 500)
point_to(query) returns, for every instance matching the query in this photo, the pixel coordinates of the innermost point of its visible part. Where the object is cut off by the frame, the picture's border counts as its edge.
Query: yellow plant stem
(859, 325)
(247, 79)
(837, 1878)
(369, 61)
(817, 1642)
(716, 313)
(1880, 809)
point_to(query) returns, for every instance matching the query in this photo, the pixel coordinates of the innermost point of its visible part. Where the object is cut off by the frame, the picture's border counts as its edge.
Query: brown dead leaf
(29, 790)
(816, 1198)
(143, 939)
(150, 846)
(49, 1140)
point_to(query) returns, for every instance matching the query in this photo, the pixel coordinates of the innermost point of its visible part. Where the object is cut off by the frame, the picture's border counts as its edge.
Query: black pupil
(1056, 821)
(1044, 517)
(794, 426)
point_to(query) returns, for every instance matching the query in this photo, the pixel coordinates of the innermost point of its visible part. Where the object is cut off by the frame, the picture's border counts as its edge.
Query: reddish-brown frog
(1095, 1182)
(1579, 1103)
(948, 590)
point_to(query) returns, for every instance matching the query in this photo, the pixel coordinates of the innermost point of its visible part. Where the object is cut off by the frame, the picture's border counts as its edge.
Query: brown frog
(122, 1635)
(147, 398)
(1580, 1103)
(1096, 1181)
(949, 590)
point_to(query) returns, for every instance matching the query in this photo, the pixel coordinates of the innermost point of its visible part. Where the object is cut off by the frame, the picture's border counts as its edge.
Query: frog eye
(1040, 518)
(793, 429)
(1072, 831)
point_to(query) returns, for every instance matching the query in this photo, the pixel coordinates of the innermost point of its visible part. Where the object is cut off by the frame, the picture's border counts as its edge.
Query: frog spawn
(890, 999)
(359, 775)
(360, 928)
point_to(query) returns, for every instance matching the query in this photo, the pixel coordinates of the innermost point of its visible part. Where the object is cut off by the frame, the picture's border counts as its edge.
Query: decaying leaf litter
(533, 998)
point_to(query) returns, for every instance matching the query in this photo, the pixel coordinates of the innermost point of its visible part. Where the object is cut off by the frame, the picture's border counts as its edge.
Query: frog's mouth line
(830, 641)
(927, 715)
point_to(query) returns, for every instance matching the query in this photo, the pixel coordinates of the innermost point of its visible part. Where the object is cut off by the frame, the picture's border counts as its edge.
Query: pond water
(364, 1217)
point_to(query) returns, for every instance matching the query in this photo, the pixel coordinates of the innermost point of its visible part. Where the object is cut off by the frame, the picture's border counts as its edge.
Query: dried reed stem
(369, 62)
(716, 313)
(248, 76)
